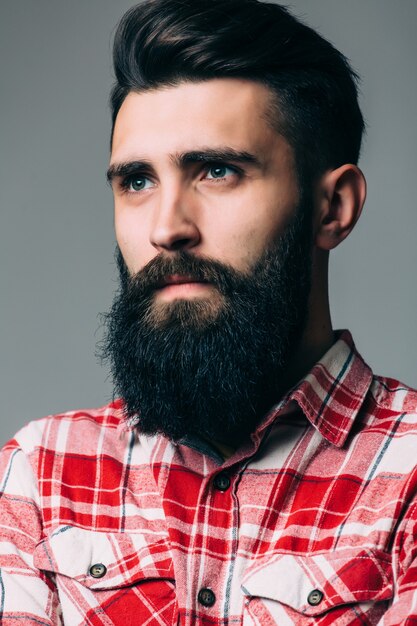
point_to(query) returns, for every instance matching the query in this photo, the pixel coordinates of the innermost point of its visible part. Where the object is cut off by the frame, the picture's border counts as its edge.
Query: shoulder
(391, 397)
(390, 423)
(76, 428)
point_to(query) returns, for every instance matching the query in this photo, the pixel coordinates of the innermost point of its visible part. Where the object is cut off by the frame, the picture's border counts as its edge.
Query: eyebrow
(118, 170)
(205, 155)
(211, 155)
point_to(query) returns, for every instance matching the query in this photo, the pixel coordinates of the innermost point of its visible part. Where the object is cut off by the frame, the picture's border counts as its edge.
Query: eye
(137, 183)
(219, 171)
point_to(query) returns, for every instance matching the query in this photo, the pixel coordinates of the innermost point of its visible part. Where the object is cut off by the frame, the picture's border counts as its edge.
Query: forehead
(182, 117)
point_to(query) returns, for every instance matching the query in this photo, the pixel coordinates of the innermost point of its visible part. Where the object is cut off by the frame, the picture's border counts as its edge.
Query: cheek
(245, 242)
(252, 249)
(252, 223)
(132, 241)
(240, 248)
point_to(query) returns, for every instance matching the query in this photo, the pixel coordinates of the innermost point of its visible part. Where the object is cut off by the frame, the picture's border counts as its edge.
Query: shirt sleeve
(27, 595)
(403, 609)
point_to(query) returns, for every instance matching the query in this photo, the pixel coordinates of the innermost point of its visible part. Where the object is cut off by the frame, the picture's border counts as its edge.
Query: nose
(174, 226)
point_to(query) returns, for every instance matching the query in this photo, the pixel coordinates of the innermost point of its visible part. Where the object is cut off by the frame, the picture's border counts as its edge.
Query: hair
(161, 43)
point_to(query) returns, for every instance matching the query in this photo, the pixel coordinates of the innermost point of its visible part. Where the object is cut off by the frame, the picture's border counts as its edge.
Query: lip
(182, 286)
(180, 279)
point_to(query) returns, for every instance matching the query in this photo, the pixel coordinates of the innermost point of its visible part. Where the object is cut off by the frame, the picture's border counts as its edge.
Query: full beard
(210, 367)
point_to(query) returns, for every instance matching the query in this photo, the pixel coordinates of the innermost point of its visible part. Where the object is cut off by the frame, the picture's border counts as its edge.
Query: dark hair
(164, 42)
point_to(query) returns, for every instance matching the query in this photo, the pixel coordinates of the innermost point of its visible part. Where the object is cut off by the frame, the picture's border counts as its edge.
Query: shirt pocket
(350, 585)
(110, 578)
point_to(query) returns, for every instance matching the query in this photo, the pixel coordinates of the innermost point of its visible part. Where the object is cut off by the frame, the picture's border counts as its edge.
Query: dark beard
(210, 367)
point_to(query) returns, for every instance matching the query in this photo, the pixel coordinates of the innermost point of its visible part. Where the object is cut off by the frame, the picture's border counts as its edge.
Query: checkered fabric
(313, 521)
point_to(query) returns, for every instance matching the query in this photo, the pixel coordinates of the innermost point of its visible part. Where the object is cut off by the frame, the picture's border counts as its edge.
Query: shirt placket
(215, 543)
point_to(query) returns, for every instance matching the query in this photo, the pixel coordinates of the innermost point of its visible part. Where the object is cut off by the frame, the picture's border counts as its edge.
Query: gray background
(56, 263)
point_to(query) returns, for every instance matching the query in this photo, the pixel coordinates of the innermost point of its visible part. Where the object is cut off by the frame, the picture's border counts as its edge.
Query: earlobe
(341, 196)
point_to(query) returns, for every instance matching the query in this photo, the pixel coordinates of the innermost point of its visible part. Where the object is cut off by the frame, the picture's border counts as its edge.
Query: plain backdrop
(57, 266)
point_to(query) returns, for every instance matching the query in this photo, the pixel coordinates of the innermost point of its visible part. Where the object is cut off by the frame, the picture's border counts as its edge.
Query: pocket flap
(312, 584)
(127, 558)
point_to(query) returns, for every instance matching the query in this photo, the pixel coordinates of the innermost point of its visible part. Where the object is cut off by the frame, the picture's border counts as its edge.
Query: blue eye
(219, 171)
(138, 183)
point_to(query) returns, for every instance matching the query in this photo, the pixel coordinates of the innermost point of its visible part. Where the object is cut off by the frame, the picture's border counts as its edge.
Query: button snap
(98, 570)
(315, 597)
(222, 482)
(206, 597)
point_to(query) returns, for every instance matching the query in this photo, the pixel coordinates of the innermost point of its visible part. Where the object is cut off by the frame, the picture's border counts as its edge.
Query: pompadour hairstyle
(165, 42)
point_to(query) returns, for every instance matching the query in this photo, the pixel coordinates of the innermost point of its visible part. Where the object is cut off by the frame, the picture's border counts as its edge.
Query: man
(254, 470)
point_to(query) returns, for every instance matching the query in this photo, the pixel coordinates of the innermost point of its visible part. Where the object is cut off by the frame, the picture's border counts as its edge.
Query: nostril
(179, 243)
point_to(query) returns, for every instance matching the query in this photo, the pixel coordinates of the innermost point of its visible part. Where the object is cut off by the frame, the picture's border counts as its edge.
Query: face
(198, 168)
(215, 260)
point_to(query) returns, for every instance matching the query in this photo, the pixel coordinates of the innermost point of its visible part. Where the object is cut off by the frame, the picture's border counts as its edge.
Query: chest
(241, 545)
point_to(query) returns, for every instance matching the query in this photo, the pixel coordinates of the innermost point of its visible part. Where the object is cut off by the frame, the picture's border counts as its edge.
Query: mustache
(200, 269)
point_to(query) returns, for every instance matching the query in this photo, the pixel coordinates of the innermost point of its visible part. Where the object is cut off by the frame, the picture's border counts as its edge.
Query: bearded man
(252, 469)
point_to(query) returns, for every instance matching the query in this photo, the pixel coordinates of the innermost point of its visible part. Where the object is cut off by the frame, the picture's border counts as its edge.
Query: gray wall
(56, 263)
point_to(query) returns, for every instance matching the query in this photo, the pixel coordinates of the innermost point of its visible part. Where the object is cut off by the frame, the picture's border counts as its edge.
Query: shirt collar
(334, 391)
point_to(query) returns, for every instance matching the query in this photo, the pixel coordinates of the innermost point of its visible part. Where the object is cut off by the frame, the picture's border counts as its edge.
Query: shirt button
(98, 570)
(206, 597)
(315, 597)
(222, 482)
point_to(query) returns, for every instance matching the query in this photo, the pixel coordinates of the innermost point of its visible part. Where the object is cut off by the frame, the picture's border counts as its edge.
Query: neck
(312, 347)
(318, 335)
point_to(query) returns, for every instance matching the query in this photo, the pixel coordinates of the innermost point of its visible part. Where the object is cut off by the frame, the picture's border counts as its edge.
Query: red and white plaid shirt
(313, 522)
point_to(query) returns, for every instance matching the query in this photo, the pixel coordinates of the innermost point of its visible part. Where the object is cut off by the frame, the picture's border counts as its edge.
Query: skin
(198, 167)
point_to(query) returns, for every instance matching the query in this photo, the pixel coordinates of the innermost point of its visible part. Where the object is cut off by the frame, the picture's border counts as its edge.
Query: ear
(341, 196)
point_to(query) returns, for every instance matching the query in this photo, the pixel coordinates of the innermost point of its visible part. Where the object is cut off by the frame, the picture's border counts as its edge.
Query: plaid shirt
(312, 522)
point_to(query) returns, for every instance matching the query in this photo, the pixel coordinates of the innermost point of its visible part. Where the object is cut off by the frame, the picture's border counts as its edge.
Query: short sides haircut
(165, 42)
